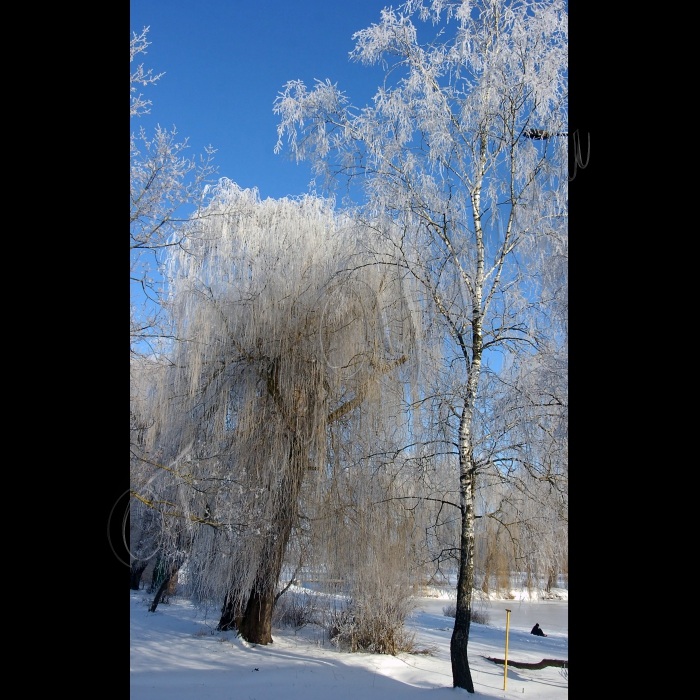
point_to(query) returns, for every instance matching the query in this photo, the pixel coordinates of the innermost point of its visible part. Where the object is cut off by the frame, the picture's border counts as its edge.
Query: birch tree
(461, 162)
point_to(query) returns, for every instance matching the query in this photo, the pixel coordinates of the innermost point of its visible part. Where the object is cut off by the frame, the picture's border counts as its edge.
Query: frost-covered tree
(157, 531)
(283, 330)
(167, 191)
(533, 466)
(143, 540)
(463, 171)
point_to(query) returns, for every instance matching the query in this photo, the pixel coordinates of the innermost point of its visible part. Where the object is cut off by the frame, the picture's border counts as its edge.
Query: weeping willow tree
(283, 330)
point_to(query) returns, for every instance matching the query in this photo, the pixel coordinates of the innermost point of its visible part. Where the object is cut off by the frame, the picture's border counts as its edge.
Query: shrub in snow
(373, 620)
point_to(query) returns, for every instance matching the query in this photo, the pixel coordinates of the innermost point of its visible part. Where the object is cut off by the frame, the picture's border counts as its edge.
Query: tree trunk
(138, 566)
(255, 626)
(172, 573)
(230, 614)
(461, 674)
(551, 580)
(488, 568)
(157, 575)
(255, 622)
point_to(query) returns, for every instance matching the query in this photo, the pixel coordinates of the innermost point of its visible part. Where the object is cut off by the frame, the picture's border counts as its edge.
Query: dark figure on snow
(537, 631)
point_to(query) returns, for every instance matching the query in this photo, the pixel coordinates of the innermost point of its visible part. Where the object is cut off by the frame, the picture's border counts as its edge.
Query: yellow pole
(505, 661)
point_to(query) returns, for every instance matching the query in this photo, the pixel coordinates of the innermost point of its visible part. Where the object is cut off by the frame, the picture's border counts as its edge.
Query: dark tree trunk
(461, 674)
(230, 615)
(172, 573)
(138, 566)
(255, 622)
(157, 575)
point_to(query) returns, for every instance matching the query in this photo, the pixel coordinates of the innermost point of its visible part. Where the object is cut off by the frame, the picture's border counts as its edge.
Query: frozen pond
(553, 615)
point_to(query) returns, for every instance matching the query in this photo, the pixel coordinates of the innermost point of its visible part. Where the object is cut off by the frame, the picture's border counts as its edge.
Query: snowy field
(176, 654)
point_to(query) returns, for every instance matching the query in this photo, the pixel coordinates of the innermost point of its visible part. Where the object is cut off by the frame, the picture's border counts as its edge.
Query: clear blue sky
(225, 61)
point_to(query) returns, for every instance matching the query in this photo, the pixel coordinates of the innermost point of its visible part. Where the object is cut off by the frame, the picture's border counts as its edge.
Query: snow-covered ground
(176, 654)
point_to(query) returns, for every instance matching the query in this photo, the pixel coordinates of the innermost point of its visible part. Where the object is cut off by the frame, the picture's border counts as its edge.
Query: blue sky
(226, 61)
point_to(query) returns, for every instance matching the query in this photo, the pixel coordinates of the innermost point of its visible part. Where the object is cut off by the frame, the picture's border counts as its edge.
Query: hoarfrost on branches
(469, 202)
